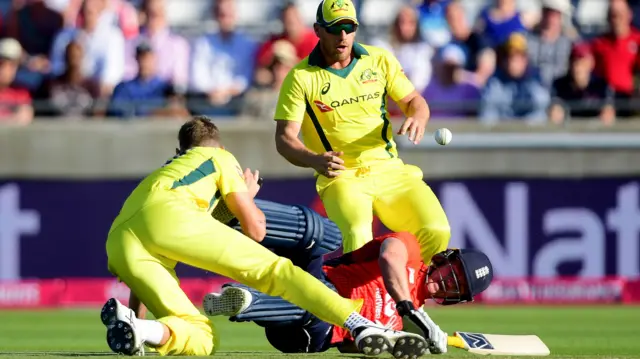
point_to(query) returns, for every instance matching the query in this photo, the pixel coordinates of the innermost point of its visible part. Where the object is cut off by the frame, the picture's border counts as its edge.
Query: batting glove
(418, 317)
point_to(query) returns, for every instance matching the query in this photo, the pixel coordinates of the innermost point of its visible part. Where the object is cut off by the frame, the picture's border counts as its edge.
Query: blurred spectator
(579, 93)
(34, 25)
(616, 53)
(172, 51)
(15, 103)
(480, 57)
(261, 100)
(175, 106)
(498, 21)
(222, 63)
(70, 94)
(515, 91)
(117, 13)
(295, 31)
(550, 41)
(69, 10)
(143, 95)
(452, 93)
(103, 48)
(59, 6)
(406, 43)
(433, 25)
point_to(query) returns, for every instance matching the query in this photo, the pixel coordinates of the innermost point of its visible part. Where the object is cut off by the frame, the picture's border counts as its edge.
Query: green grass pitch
(570, 332)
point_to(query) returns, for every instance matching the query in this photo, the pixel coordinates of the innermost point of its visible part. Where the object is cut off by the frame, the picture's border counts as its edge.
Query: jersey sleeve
(291, 100)
(231, 179)
(398, 84)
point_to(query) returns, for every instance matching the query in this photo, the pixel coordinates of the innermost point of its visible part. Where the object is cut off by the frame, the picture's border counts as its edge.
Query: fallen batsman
(388, 273)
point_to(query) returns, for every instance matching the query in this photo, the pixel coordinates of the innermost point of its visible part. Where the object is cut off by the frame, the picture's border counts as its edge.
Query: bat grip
(456, 342)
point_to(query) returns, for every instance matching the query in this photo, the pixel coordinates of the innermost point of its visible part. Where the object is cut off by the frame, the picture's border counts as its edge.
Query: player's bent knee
(200, 344)
(203, 336)
(433, 240)
(441, 238)
(205, 347)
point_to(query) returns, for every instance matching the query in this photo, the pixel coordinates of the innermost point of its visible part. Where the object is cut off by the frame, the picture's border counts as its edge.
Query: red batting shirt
(362, 278)
(616, 59)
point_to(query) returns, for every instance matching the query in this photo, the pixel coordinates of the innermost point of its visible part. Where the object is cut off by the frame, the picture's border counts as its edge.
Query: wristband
(404, 307)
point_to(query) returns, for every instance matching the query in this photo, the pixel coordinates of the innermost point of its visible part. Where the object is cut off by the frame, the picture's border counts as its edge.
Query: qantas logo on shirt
(322, 106)
(357, 99)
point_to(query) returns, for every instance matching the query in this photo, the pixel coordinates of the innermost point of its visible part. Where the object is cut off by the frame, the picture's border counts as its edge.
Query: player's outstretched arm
(393, 265)
(394, 257)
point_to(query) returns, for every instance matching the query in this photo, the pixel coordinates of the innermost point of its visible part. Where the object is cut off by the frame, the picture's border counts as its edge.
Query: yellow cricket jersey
(201, 175)
(345, 110)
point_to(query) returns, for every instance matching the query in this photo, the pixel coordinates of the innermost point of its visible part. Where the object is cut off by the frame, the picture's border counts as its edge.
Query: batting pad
(498, 344)
(297, 231)
(268, 310)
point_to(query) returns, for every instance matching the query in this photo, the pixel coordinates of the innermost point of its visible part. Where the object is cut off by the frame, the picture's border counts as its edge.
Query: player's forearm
(393, 262)
(294, 151)
(418, 108)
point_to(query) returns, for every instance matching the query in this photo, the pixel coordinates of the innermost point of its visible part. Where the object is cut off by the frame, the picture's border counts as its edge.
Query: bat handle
(456, 342)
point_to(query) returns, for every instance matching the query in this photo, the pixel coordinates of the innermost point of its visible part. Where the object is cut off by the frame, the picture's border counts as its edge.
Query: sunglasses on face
(338, 28)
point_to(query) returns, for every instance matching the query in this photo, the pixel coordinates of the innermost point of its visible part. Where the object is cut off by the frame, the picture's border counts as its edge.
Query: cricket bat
(498, 344)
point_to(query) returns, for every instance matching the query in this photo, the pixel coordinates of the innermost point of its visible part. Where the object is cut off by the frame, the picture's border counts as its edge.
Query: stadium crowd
(83, 59)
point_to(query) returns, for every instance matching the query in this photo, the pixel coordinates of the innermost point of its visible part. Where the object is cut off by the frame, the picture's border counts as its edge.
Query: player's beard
(330, 48)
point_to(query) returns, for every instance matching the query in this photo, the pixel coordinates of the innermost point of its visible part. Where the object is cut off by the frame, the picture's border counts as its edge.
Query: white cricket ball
(443, 136)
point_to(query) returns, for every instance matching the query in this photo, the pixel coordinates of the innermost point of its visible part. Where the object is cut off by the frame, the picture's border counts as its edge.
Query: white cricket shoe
(375, 340)
(122, 335)
(232, 301)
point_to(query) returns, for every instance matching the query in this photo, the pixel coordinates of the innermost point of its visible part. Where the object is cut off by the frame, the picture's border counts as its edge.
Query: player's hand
(329, 164)
(436, 337)
(415, 127)
(251, 180)
(420, 319)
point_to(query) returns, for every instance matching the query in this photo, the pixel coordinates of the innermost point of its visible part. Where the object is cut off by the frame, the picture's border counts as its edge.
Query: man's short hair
(198, 131)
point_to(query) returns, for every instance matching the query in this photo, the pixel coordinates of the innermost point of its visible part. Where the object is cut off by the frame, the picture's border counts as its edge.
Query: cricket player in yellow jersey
(167, 219)
(337, 98)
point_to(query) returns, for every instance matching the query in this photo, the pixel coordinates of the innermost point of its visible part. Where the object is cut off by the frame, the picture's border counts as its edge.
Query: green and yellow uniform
(346, 110)
(167, 219)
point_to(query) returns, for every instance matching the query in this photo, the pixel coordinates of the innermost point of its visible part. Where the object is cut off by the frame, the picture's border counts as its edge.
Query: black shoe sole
(374, 344)
(108, 313)
(410, 347)
(122, 339)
